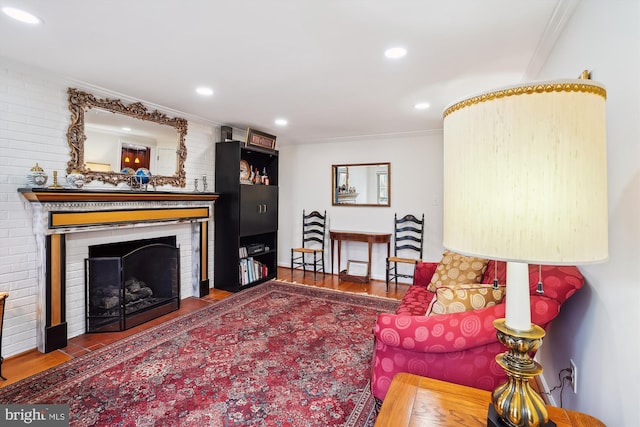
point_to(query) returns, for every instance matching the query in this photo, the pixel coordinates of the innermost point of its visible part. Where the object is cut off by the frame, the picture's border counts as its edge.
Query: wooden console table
(359, 236)
(418, 401)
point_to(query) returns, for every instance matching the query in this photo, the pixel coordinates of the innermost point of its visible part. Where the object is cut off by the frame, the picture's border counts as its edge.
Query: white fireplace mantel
(58, 212)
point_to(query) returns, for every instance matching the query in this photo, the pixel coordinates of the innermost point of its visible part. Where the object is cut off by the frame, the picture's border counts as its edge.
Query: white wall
(416, 187)
(599, 327)
(34, 118)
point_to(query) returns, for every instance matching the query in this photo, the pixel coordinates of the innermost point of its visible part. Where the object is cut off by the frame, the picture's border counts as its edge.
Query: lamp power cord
(564, 375)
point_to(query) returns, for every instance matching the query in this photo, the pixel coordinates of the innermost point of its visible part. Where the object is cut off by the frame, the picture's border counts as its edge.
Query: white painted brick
(14, 276)
(22, 266)
(20, 296)
(19, 327)
(34, 118)
(24, 283)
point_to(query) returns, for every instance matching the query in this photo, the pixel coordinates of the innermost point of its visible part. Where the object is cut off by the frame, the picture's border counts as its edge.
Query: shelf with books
(252, 270)
(246, 217)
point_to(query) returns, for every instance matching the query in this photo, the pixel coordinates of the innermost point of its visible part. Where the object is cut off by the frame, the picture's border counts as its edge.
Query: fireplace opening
(129, 283)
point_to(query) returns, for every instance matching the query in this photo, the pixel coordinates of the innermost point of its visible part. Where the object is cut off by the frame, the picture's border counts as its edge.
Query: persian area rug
(274, 355)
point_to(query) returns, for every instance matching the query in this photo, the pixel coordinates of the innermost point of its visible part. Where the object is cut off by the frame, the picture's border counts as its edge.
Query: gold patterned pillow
(455, 269)
(465, 297)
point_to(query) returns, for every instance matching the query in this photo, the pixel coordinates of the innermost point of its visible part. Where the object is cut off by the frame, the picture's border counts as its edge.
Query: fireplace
(67, 221)
(129, 283)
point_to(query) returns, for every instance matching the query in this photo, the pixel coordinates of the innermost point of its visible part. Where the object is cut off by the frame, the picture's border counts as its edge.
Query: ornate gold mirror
(109, 140)
(361, 184)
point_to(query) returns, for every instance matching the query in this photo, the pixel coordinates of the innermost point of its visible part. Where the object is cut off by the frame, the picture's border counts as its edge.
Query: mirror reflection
(109, 140)
(115, 142)
(361, 184)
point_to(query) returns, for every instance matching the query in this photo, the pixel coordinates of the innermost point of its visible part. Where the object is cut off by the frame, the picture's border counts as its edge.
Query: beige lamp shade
(525, 176)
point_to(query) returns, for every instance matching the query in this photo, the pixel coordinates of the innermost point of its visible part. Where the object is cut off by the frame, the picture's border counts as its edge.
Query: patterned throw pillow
(465, 297)
(455, 269)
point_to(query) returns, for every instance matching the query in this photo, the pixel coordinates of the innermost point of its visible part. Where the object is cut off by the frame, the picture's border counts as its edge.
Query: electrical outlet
(574, 376)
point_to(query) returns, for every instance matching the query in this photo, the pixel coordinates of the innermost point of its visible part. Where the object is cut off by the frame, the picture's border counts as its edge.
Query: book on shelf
(252, 270)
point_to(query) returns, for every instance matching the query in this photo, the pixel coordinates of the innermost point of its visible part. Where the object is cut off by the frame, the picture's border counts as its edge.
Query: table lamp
(525, 181)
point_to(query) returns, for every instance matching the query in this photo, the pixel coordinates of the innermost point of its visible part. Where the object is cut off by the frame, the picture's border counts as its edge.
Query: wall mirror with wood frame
(109, 140)
(361, 184)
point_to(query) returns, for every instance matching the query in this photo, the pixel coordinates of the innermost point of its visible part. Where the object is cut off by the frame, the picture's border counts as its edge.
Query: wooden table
(359, 236)
(418, 401)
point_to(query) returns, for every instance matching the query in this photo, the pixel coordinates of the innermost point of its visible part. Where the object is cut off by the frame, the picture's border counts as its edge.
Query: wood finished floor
(31, 362)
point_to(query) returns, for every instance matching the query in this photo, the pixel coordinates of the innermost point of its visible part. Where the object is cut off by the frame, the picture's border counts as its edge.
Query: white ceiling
(320, 64)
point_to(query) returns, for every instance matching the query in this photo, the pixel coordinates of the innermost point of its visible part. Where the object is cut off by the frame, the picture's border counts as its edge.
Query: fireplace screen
(125, 291)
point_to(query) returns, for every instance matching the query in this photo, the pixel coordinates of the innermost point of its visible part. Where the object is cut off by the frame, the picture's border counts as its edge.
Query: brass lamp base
(494, 420)
(515, 402)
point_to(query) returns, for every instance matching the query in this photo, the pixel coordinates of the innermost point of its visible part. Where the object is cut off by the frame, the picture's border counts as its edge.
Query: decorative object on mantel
(142, 176)
(260, 139)
(55, 183)
(75, 179)
(37, 177)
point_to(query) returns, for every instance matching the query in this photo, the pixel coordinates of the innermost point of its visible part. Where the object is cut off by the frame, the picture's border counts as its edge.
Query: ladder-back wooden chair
(408, 236)
(3, 298)
(313, 236)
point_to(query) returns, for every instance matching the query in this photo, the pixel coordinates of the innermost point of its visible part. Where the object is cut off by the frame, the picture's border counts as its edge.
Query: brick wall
(33, 124)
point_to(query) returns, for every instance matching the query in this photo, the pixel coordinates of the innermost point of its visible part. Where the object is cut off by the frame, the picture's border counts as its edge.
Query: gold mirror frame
(76, 137)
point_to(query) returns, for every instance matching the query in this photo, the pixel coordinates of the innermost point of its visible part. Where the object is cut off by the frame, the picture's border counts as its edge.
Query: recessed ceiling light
(281, 122)
(204, 91)
(395, 52)
(126, 129)
(21, 15)
(421, 106)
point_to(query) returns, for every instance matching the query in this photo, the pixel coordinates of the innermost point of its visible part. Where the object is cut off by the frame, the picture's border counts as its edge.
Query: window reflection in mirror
(361, 184)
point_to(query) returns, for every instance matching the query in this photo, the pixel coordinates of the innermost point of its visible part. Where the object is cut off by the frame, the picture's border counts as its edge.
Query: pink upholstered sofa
(458, 347)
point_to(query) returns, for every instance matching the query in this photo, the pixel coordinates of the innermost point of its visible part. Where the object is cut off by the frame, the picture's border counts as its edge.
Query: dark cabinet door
(258, 209)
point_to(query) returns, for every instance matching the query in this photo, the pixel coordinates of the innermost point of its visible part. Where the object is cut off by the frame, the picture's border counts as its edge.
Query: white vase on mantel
(75, 179)
(36, 177)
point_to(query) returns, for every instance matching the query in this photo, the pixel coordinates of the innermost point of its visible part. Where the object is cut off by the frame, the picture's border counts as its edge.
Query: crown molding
(556, 25)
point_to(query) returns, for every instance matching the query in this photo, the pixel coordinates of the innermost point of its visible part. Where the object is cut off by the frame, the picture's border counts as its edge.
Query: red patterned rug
(274, 355)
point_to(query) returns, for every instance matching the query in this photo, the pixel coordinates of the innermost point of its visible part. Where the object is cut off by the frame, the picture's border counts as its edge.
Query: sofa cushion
(465, 297)
(455, 269)
(415, 302)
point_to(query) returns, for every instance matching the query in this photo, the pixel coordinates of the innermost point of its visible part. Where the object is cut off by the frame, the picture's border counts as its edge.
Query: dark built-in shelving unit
(246, 218)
